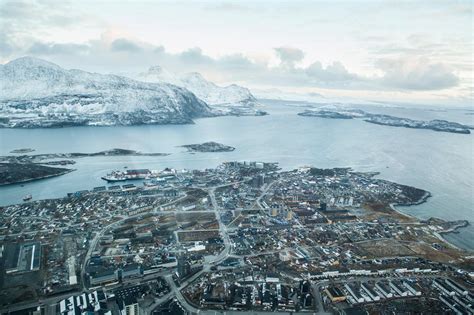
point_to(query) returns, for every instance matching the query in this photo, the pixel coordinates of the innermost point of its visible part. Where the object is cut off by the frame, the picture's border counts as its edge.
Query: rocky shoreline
(393, 121)
(41, 158)
(16, 173)
(325, 114)
(435, 125)
(455, 226)
(449, 226)
(422, 200)
(15, 169)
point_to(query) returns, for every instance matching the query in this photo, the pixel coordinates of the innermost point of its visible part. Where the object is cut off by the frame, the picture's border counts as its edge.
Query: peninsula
(22, 168)
(41, 158)
(14, 173)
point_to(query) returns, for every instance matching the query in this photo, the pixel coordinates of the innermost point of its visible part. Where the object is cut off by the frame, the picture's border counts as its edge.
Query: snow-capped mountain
(37, 93)
(228, 100)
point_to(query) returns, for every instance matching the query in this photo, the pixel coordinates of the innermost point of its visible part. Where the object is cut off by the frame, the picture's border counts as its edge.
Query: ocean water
(442, 163)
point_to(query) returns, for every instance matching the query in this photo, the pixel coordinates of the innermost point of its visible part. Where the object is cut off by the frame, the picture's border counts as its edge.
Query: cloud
(227, 6)
(194, 55)
(22, 22)
(125, 45)
(23, 15)
(101, 55)
(416, 74)
(333, 72)
(159, 49)
(39, 48)
(7, 47)
(289, 55)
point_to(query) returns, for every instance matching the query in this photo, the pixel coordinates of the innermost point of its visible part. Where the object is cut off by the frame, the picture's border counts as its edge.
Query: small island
(393, 121)
(435, 125)
(208, 147)
(22, 151)
(325, 114)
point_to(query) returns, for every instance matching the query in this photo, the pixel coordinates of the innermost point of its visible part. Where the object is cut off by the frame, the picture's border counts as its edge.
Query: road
(222, 230)
(224, 254)
(176, 290)
(214, 261)
(264, 193)
(97, 237)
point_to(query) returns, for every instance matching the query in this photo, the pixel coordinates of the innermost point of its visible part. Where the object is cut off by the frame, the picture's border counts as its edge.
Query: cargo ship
(118, 176)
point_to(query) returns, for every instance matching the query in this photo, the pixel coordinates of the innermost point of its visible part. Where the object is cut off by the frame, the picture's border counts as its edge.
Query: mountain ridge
(38, 93)
(225, 100)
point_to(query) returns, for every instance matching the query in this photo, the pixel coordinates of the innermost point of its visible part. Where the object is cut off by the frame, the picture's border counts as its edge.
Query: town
(242, 237)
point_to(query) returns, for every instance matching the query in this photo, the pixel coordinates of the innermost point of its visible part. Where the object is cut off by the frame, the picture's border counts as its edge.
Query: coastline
(422, 200)
(439, 234)
(454, 229)
(38, 178)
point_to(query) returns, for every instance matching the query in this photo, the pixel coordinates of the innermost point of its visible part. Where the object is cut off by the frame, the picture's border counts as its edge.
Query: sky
(400, 51)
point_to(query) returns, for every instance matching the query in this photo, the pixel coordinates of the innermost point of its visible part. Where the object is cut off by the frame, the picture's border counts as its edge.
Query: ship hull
(113, 180)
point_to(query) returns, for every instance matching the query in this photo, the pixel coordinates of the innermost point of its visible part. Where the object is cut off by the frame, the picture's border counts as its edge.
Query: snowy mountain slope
(228, 100)
(37, 93)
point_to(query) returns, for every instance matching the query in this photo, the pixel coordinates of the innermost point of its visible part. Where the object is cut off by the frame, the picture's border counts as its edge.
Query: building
(412, 289)
(323, 206)
(384, 290)
(184, 267)
(398, 289)
(86, 303)
(443, 287)
(258, 181)
(71, 265)
(358, 298)
(23, 257)
(456, 287)
(103, 276)
(129, 300)
(131, 271)
(285, 255)
(335, 294)
(129, 305)
(373, 295)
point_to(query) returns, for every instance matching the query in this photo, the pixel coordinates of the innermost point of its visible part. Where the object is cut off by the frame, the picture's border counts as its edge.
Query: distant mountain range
(37, 93)
(228, 100)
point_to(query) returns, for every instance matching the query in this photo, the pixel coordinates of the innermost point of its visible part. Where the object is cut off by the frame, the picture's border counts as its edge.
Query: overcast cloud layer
(384, 50)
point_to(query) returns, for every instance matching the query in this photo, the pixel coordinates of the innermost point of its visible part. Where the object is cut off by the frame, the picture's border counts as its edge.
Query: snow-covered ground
(232, 99)
(36, 93)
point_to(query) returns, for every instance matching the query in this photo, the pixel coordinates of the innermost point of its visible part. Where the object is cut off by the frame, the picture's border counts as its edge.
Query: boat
(27, 197)
(118, 176)
(115, 176)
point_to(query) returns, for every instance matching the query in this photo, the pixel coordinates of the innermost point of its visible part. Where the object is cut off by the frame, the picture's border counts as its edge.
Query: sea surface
(442, 163)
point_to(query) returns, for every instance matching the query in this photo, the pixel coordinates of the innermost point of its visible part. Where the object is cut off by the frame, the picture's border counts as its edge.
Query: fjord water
(439, 162)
